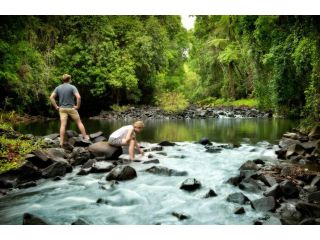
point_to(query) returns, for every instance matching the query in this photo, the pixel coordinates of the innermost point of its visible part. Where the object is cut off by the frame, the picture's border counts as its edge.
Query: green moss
(220, 102)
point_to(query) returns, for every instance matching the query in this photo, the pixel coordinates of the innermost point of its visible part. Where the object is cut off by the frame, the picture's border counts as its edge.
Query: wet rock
(272, 191)
(55, 152)
(289, 189)
(180, 216)
(39, 159)
(249, 165)
(166, 143)
(27, 184)
(264, 204)
(151, 161)
(314, 197)
(190, 184)
(245, 174)
(286, 142)
(80, 142)
(259, 161)
(162, 153)
(213, 149)
(238, 197)
(57, 178)
(80, 221)
(204, 141)
(315, 181)
(96, 135)
(272, 221)
(79, 156)
(100, 167)
(235, 181)
(281, 153)
(84, 171)
(210, 193)
(250, 185)
(56, 169)
(165, 171)
(310, 189)
(288, 213)
(71, 133)
(122, 173)
(102, 201)
(52, 136)
(30, 219)
(239, 210)
(308, 209)
(89, 163)
(105, 150)
(268, 180)
(310, 221)
(295, 149)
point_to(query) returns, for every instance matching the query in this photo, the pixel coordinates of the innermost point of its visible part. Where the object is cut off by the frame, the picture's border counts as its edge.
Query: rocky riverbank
(193, 112)
(290, 189)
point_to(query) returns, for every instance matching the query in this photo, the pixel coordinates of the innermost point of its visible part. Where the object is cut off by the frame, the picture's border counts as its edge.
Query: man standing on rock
(126, 136)
(66, 94)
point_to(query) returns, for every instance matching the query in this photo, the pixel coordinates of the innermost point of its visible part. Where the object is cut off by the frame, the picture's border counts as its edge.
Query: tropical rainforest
(149, 60)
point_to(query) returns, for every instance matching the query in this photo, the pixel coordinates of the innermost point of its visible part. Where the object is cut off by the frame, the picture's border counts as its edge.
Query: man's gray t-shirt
(65, 93)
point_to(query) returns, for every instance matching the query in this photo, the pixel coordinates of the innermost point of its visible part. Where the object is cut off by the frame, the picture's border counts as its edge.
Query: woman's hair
(138, 124)
(66, 78)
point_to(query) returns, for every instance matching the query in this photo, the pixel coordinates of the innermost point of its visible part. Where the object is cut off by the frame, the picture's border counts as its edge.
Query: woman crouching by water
(126, 136)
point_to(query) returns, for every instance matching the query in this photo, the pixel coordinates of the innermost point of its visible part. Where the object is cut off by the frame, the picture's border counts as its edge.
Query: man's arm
(139, 149)
(53, 100)
(78, 97)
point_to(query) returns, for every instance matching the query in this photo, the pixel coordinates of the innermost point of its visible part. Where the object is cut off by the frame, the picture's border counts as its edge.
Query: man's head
(66, 78)
(138, 126)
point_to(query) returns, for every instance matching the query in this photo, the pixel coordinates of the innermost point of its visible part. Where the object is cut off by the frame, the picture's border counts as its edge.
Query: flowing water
(149, 198)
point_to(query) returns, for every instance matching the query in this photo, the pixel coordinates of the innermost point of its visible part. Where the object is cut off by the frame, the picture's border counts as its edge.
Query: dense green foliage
(272, 58)
(123, 60)
(112, 59)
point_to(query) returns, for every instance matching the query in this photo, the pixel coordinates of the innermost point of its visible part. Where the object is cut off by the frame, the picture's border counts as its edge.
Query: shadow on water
(217, 130)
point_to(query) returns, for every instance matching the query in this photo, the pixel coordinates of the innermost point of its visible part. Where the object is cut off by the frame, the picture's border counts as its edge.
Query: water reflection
(218, 130)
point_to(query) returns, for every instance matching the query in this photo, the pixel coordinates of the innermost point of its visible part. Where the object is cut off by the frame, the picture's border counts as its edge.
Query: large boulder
(289, 189)
(79, 156)
(294, 150)
(166, 143)
(249, 165)
(122, 173)
(103, 150)
(39, 159)
(100, 167)
(204, 141)
(308, 209)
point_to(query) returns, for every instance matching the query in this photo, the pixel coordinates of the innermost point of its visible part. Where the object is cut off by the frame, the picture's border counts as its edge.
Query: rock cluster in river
(192, 112)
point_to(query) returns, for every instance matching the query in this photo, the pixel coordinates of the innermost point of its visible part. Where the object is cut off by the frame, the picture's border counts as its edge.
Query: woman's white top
(121, 132)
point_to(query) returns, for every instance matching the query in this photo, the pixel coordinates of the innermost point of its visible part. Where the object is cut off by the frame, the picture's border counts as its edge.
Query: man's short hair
(66, 78)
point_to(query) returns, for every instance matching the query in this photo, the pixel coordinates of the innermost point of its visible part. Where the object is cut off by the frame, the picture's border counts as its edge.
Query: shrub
(172, 102)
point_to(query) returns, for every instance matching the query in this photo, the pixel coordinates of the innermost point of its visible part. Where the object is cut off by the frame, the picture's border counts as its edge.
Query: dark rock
(289, 189)
(268, 180)
(151, 161)
(286, 142)
(39, 159)
(235, 181)
(165, 144)
(71, 133)
(281, 153)
(238, 197)
(27, 184)
(272, 221)
(52, 136)
(288, 213)
(272, 191)
(89, 163)
(95, 135)
(250, 185)
(162, 153)
(310, 146)
(259, 161)
(204, 141)
(30, 219)
(210, 193)
(55, 152)
(264, 204)
(315, 181)
(84, 171)
(295, 149)
(314, 197)
(190, 184)
(102, 201)
(80, 142)
(165, 171)
(180, 216)
(308, 209)
(213, 149)
(249, 165)
(122, 173)
(100, 167)
(248, 174)
(239, 210)
(80, 156)
(80, 221)
(105, 150)
(57, 178)
(310, 221)
(56, 169)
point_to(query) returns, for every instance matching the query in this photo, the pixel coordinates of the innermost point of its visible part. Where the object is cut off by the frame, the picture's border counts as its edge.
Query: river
(149, 198)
